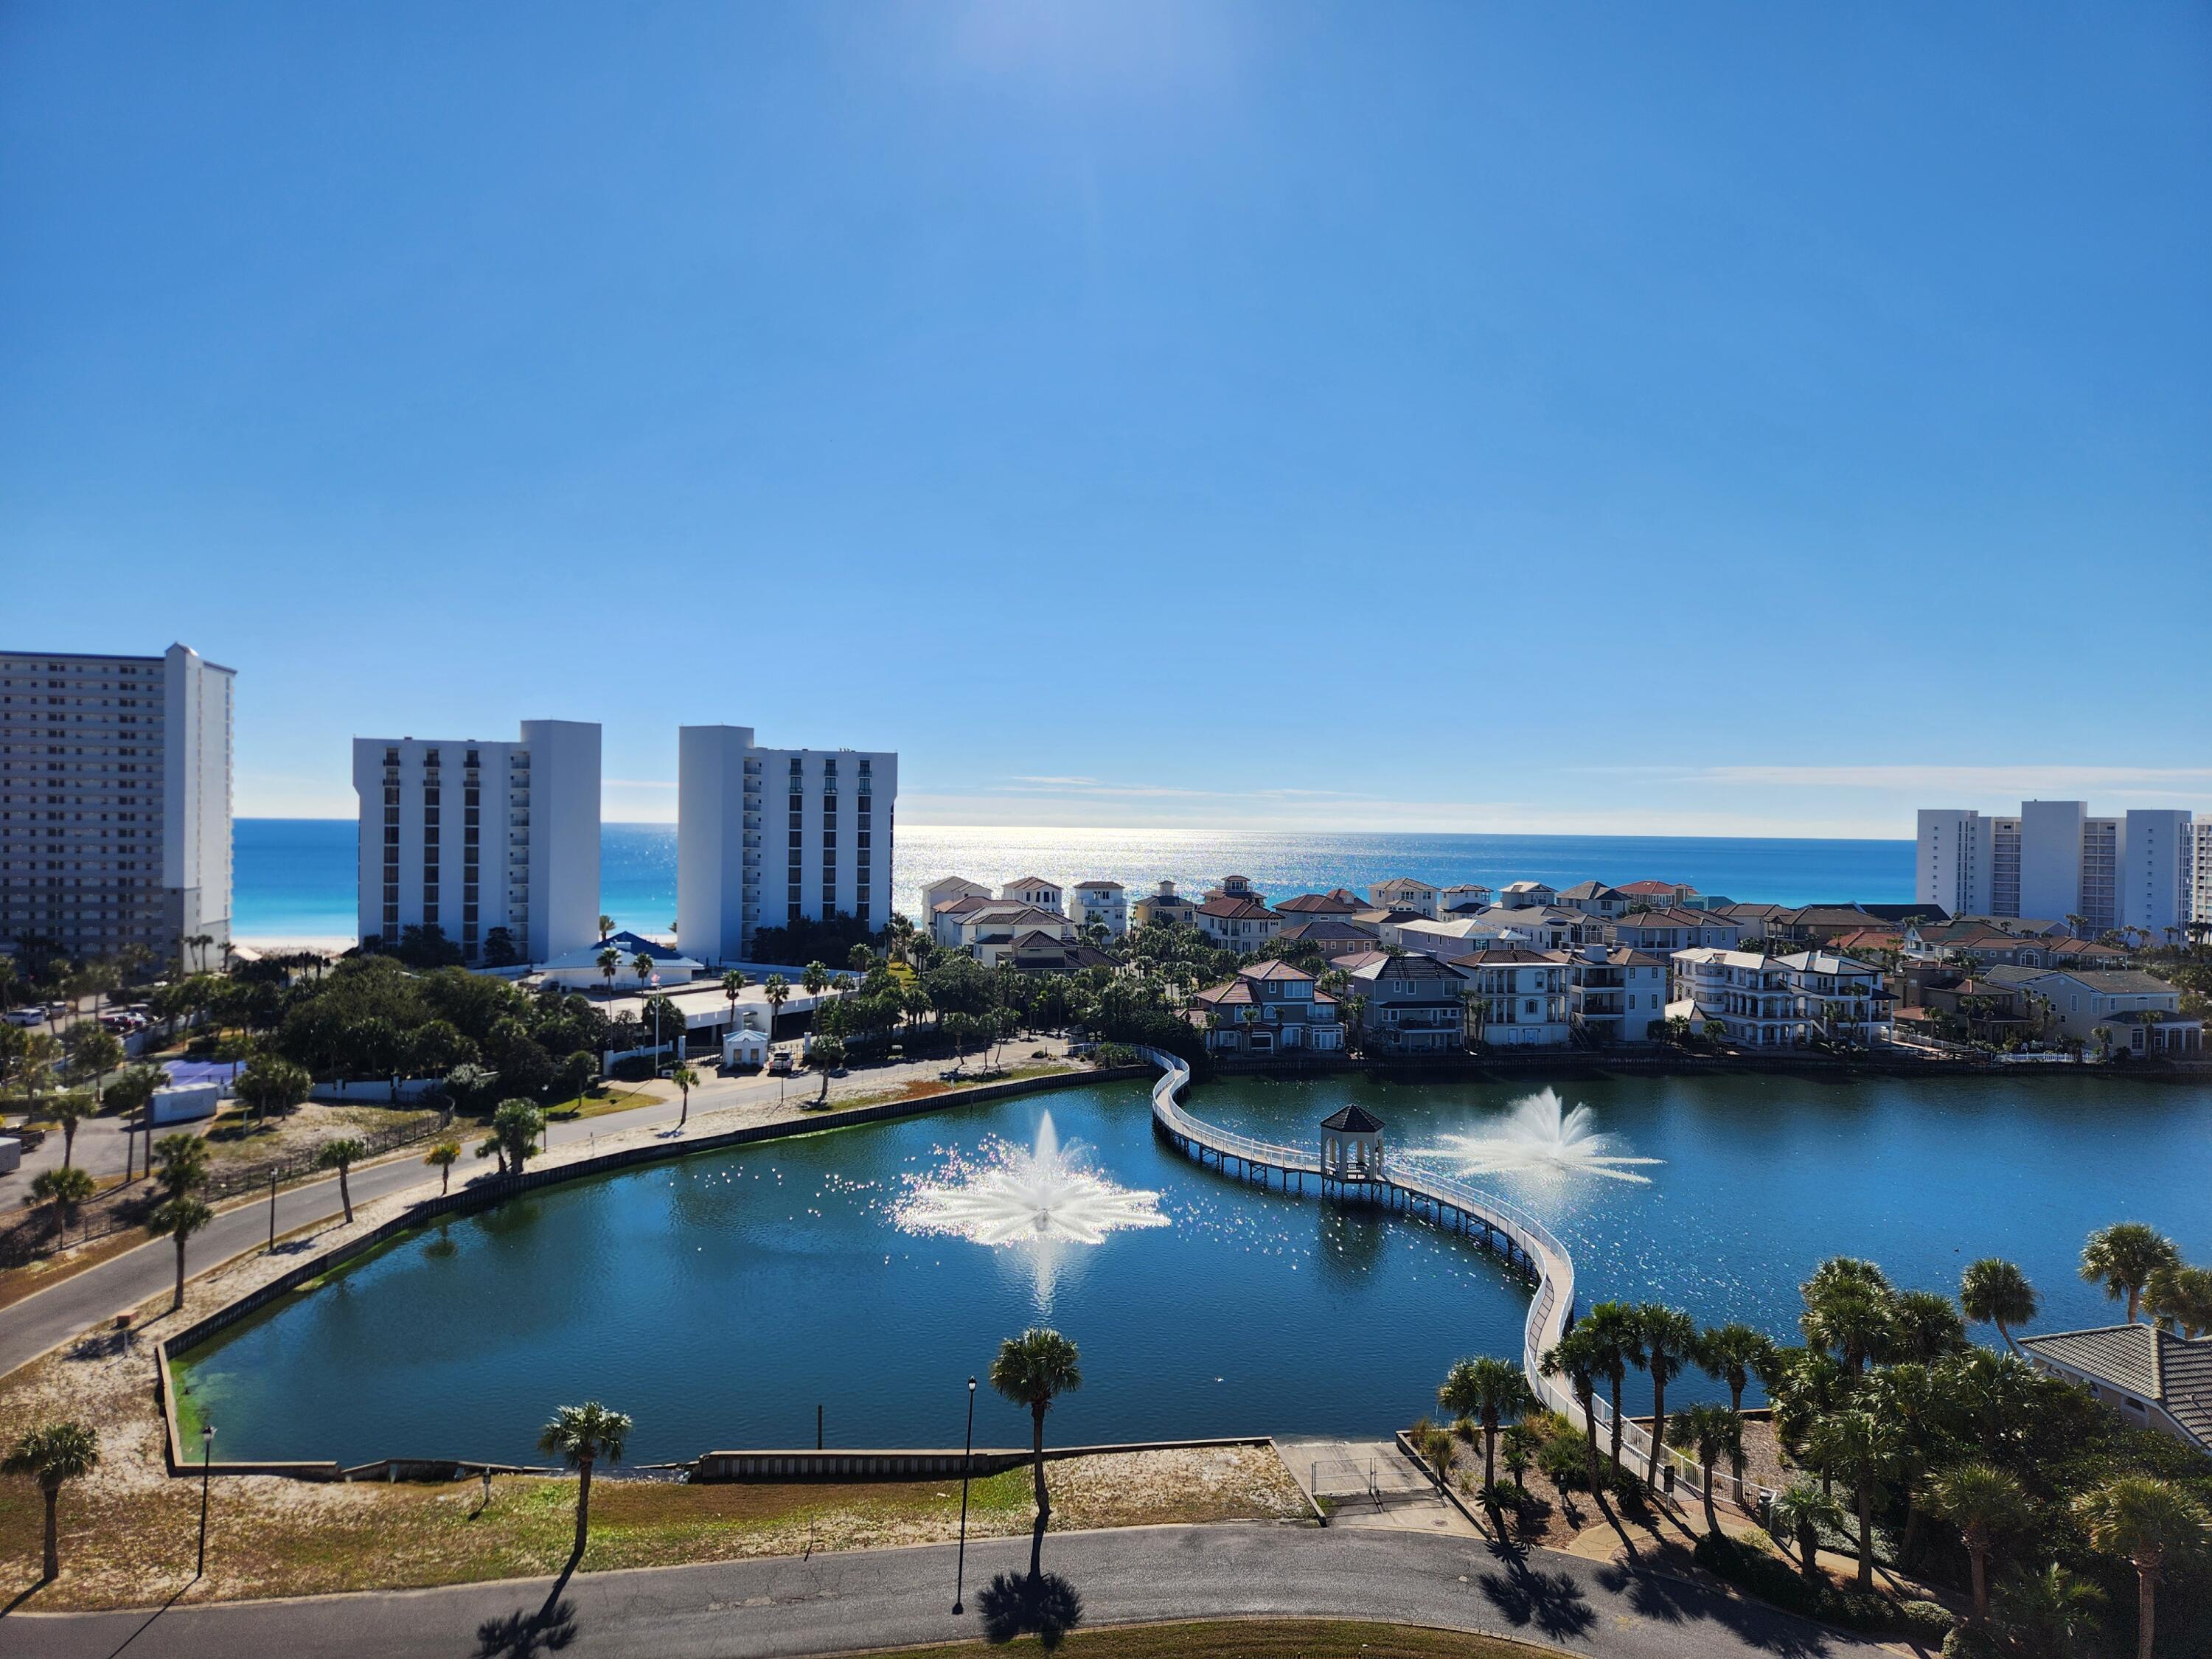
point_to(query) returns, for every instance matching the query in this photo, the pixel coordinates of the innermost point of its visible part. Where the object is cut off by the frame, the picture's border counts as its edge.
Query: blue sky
(1700, 419)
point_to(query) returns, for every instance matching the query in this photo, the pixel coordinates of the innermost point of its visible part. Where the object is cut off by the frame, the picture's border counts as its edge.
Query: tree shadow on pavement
(522, 1635)
(1014, 1603)
(1666, 1601)
(1552, 1602)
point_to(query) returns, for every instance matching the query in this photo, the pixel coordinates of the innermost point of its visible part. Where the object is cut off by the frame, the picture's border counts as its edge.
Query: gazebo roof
(1353, 1121)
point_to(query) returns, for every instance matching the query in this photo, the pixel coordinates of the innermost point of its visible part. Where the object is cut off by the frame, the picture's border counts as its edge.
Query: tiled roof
(1502, 955)
(1273, 970)
(1034, 881)
(964, 903)
(1321, 904)
(1115, 885)
(1323, 930)
(1589, 890)
(2143, 1360)
(1234, 909)
(1654, 888)
(1353, 1120)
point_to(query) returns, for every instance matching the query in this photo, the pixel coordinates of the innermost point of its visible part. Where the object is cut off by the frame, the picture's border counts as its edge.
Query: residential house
(1818, 924)
(1163, 904)
(1516, 998)
(988, 931)
(1545, 927)
(1404, 893)
(1338, 902)
(1462, 896)
(1415, 1004)
(1763, 1002)
(1614, 994)
(1658, 895)
(1269, 1008)
(1333, 936)
(1237, 924)
(1038, 951)
(1443, 939)
(1236, 887)
(2153, 1378)
(1662, 932)
(945, 889)
(946, 917)
(1525, 895)
(2140, 1011)
(1103, 902)
(1034, 890)
(1594, 898)
(1753, 921)
(1979, 943)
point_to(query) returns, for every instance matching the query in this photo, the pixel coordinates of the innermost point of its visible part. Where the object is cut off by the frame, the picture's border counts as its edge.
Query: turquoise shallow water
(720, 1299)
(295, 876)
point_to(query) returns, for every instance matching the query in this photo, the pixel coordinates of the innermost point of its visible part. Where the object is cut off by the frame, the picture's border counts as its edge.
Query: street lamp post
(272, 1209)
(207, 1466)
(967, 1459)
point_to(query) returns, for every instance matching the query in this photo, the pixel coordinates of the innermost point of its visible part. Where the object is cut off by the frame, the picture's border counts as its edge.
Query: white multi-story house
(1614, 994)
(2054, 860)
(1103, 903)
(1766, 1002)
(1662, 932)
(766, 837)
(1404, 893)
(945, 889)
(1524, 895)
(945, 917)
(1237, 924)
(1464, 896)
(989, 930)
(1236, 887)
(115, 828)
(493, 844)
(1516, 998)
(1034, 890)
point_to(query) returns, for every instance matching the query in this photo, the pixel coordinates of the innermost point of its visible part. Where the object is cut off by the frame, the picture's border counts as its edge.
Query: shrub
(1780, 1585)
(1965, 1642)
(1926, 1623)
(1564, 1460)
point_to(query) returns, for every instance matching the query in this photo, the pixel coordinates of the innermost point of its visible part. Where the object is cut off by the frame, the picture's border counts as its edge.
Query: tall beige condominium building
(115, 803)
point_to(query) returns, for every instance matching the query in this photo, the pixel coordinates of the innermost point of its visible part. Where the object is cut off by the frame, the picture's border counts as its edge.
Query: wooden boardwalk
(1526, 1242)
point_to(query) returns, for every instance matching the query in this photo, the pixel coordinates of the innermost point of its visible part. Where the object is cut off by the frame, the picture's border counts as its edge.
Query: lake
(720, 1297)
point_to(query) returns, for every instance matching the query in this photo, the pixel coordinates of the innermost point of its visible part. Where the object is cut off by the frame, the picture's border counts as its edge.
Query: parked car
(778, 1063)
(57, 1010)
(26, 1016)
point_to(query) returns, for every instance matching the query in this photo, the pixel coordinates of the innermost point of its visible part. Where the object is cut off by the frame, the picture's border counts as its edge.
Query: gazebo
(1352, 1145)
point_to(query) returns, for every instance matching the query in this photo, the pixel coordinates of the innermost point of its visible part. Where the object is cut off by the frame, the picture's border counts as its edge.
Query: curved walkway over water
(1525, 1240)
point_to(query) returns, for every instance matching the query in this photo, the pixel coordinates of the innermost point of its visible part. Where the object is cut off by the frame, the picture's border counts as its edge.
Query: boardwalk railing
(1443, 1198)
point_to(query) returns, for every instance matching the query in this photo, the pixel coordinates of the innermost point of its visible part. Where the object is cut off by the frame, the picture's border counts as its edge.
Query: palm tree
(2103, 1035)
(1982, 1502)
(65, 1188)
(1580, 1356)
(50, 1456)
(1488, 1389)
(1993, 1292)
(2051, 1615)
(815, 979)
(606, 927)
(1864, 1446)
(1710, 1429)
(642, 965)
(1664, 1339)
(1516, 1448)
(683, 1077)
(1924, 1325)
(581, 1436)
(441, 1159)
(1032, 1370)
(2181, 1297)
(2122, 1257)
(1801, 1512)
(2144, 1519)
(733, 983)
(340, 1155)
(1733, 1354)
(777, 989)
(180, 1218)
(1613, 1329)
(183, 1161)
(610, 961)
(1857, 1320)
(69, 1112)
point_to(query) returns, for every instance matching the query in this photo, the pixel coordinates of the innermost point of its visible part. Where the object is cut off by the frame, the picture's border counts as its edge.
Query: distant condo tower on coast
(495, 845)
(115, 803)
(2054, 861)
(766, 837)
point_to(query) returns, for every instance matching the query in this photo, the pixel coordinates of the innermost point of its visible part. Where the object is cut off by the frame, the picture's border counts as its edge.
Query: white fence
(377, 1090)
(1550, 1312)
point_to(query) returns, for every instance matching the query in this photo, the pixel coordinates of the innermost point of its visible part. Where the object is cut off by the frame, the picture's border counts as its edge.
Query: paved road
(874, 1599)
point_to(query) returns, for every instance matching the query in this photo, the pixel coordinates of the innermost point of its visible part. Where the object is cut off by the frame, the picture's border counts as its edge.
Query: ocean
(295, 876)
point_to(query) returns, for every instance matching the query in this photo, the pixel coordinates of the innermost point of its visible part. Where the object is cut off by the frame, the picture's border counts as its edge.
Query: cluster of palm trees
(2138, 1265)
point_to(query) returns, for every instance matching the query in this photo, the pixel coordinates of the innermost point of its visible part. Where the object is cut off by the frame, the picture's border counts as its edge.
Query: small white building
(1466, 895)
(580, 969)
(1404, 893)
(1105, 902)
(1524, 894)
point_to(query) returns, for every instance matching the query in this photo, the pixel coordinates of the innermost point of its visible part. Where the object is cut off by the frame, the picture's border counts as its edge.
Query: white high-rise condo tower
(495, 845)
(115, 803)
(765, 838)
(2054, 861)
